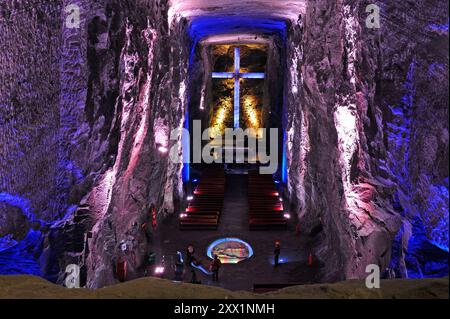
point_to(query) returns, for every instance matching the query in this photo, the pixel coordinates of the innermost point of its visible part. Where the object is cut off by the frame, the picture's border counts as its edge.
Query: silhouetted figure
(194, 277)
(310, 259)
(215, 266)
(190, 254)
(121, 269)
(276, 253)
(179, 267)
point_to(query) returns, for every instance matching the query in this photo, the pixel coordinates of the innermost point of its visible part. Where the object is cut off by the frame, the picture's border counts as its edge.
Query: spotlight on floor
(159, 270)
(287, 215)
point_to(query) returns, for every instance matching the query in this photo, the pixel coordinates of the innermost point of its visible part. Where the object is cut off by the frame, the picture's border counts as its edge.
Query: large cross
(236, 75)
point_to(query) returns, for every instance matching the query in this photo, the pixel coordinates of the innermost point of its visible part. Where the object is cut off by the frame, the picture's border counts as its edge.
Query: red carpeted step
(204, 209)
(265, 209)
(203, 212)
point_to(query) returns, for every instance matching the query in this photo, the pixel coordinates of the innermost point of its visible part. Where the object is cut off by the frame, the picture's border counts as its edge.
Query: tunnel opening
(236, 82)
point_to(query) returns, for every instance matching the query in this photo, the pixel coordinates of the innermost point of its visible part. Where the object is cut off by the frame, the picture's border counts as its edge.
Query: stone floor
(259, 268)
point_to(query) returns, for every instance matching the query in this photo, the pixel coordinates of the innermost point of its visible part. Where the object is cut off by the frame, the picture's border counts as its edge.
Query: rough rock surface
(370, 107)
(151, 103)
(115, 89)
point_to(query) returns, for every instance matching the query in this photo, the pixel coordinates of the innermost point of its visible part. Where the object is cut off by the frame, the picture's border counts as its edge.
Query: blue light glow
(427, 254)
(286, 259)
(20, 202)
(222, 75)
(283, 160)
(438, 27)
(237, 60)
(7, 241)
(236, 104)
(438, 202)
(186, 170)
(72, 169)
(425, 259)
(399, 133)
(20, 259)
(399, 137)
(435, 69)
(252, 75)
(201, 268)
(237, 67)
(180, 256)
(202, 27)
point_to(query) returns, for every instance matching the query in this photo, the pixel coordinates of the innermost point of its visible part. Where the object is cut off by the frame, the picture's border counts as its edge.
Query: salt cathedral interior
(244, 145)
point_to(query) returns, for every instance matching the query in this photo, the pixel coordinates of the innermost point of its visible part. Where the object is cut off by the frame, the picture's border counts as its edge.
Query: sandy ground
(148, 288)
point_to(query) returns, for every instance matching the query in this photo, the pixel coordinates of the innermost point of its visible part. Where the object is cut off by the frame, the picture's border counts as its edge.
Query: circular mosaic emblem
(230, 250)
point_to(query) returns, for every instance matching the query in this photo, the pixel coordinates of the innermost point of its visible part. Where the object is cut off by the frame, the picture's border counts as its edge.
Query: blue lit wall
(202, 27)
(427, 254)
(438, 27)
(186, 175)
(22, 257)
(18, 258)
(20, 202)
(284, 160)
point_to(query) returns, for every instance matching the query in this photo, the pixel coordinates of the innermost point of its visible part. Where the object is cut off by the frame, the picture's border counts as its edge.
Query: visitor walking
(179, 268)
(190, 254)
(214, 268)
(121, 269)
(276, 253)
(194, 278)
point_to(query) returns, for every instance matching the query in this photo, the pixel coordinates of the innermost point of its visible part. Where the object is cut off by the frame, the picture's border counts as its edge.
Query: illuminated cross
(236, 75)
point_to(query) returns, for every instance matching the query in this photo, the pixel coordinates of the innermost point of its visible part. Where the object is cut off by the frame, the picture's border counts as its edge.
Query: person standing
(190, 254)
(215, 266)
(194, 278)
(179, 268)
(276, 253)
(121, 269)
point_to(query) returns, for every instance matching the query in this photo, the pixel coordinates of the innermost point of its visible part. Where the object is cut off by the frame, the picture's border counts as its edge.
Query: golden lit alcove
(250, 73)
